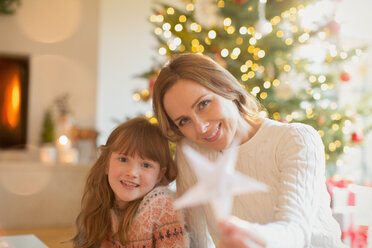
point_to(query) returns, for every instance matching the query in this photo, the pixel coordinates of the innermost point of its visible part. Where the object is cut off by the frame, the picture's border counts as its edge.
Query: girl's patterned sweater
(156, 224)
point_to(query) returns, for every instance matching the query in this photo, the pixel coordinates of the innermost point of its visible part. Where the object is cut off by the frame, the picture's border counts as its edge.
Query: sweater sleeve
(169, 229)
(301, 163)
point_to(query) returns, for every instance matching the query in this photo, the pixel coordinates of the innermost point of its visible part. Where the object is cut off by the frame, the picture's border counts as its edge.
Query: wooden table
(52, 237)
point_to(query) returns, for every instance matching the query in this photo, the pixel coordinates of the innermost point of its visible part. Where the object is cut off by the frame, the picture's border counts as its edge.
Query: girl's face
(132, 178)
(202, 116)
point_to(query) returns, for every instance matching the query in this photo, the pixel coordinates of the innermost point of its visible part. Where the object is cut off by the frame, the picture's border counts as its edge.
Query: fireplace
(14, 79)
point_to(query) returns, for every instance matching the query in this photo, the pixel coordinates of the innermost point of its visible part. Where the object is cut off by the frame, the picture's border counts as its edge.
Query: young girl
(126, 202)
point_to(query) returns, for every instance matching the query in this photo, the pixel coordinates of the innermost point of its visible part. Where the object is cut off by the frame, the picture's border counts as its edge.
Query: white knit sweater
(290, 159)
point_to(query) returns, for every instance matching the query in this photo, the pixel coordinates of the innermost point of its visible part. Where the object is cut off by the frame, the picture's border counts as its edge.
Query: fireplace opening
(14, 77)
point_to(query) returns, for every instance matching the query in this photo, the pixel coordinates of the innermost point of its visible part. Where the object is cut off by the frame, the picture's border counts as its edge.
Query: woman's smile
(215, 134)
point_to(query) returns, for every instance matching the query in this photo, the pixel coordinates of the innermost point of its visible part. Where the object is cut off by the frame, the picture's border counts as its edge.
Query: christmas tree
(279, 51)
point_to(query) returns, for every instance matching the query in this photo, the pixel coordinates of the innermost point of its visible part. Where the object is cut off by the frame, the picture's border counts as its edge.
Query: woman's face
(202, 116)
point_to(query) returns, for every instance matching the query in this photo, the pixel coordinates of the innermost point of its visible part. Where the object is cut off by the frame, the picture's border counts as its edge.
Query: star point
(218, 182)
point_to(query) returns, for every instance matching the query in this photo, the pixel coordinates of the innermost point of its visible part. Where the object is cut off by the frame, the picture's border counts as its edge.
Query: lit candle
(66, 153)
(63, 142)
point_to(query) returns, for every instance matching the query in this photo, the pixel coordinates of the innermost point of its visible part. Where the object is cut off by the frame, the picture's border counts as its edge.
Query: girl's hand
(237, 233)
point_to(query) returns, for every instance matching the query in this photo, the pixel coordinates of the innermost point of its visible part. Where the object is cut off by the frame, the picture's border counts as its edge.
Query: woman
(199, 103)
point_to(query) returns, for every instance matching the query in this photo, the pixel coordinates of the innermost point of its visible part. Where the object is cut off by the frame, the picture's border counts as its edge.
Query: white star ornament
(217, 182)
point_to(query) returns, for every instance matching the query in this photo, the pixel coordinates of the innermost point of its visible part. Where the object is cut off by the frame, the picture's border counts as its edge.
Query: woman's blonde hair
(209, 74)
(134, 137)
(203, 70)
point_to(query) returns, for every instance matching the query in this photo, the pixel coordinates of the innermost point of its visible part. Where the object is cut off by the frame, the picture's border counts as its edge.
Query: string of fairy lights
(291, 27)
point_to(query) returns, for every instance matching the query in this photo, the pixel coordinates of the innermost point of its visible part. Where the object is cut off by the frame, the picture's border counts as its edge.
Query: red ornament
(152, 81)
(333, 27)
(321, 120)
(240, 1)
(345, 77)
(357, 137)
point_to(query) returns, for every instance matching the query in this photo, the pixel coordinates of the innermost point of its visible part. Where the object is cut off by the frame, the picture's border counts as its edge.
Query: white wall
(60, 36)
(126, 48)
(90, 48)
